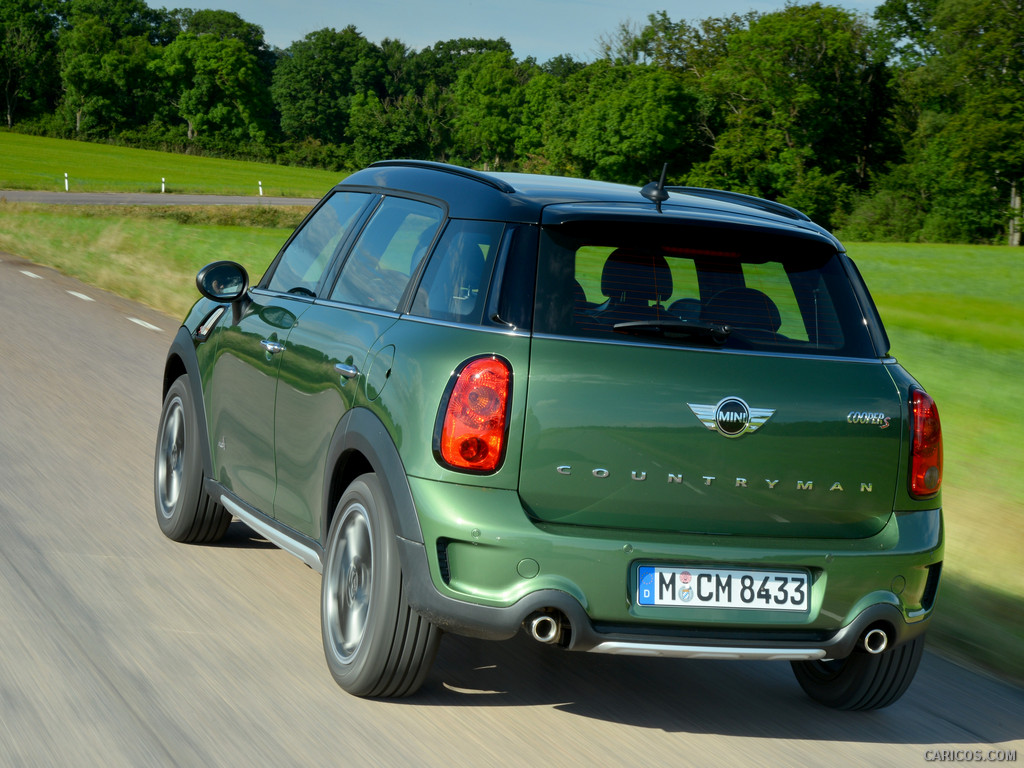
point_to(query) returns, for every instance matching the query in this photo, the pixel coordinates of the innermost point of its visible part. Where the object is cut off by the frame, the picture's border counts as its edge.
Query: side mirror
(223, 281)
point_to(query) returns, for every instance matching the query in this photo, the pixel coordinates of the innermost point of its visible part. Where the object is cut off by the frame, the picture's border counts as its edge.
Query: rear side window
(454, 285)
(679, 285)
(387, 252)
(304, 259)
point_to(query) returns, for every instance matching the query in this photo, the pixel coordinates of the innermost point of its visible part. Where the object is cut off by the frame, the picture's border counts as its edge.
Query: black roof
(524, 197)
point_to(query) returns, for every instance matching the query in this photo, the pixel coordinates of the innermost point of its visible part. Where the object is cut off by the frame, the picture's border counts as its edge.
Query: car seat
(631, 280)
(745, 309)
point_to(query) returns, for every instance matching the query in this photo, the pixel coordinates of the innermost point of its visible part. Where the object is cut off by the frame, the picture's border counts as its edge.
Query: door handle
(348, 371)
(272, 347)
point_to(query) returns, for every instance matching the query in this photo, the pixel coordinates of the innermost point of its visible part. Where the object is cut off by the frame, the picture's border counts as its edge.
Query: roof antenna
(655, 191)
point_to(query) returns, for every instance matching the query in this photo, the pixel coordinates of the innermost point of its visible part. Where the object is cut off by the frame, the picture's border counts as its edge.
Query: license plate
(722, 588)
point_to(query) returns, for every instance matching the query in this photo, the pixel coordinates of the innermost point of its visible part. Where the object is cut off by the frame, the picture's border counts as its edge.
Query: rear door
(243, 383)
(331, 363)
(720, 381)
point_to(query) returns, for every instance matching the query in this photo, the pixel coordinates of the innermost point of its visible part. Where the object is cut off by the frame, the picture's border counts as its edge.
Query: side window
(454, 285)
(306, 257)
(388, 251)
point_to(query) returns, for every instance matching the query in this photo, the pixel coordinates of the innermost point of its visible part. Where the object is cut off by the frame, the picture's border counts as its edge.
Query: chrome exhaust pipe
(875, 641)
(544, 628)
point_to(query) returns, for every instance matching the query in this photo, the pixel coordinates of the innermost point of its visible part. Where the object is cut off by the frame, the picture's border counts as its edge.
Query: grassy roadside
(147, 254)
(954, 315)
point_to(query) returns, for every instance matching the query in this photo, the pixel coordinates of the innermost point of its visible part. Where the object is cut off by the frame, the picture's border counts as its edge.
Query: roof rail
(455, 170)
(748, 200)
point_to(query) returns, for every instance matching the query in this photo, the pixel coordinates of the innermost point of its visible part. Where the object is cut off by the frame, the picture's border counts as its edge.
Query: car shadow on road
(241, 536)
(945, 705)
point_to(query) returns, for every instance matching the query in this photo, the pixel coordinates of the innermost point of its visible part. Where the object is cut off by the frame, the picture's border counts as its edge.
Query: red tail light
(925, 446)
(474, 416)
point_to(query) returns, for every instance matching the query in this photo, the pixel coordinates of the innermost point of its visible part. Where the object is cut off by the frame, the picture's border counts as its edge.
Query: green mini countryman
(659, 421)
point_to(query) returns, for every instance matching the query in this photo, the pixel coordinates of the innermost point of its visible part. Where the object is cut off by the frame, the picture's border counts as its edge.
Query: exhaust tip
(875, 641)
(544, 628)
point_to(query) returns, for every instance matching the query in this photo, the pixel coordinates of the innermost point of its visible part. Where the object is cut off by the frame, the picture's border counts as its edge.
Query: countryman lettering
(601, 473)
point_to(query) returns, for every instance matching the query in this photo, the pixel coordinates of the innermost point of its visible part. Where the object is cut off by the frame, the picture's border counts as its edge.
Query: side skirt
(292, 542)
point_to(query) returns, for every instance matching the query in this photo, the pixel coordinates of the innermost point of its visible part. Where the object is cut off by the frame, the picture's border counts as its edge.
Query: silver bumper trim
(708, 651)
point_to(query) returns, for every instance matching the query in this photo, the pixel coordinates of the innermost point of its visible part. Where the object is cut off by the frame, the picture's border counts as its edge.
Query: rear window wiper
(716, 333)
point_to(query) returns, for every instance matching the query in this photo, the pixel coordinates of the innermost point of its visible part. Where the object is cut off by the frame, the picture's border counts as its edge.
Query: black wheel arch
(361, 444)
(182, 359)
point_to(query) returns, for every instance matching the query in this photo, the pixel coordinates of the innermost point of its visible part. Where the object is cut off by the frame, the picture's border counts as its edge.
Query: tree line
(908, 125)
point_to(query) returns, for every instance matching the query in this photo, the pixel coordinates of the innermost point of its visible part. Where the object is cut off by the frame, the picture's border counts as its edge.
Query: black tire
(861, 681)
(375, 644)
(183, 510)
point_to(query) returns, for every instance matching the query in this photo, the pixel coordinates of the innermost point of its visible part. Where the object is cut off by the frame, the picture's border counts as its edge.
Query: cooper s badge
(731, 416)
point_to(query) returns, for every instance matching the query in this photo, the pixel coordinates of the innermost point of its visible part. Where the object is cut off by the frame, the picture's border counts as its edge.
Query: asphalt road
(122, 648)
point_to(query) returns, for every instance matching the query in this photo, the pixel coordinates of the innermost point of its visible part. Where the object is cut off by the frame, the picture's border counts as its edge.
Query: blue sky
(539, 28)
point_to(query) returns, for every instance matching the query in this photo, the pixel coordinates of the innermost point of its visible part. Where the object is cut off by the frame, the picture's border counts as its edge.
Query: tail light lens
(925, 446)
(472, 423)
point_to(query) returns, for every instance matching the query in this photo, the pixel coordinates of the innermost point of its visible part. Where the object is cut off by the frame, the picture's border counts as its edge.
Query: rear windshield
(694, 286)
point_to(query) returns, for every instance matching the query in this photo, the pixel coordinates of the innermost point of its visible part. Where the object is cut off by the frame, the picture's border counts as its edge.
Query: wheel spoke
(172, 458)
(351, 574)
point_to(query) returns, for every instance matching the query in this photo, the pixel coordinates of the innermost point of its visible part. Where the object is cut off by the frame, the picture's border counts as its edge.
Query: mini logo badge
(731, 416)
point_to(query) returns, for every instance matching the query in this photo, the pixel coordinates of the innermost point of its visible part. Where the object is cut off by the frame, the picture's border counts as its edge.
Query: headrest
(640, 275)
(744, 308)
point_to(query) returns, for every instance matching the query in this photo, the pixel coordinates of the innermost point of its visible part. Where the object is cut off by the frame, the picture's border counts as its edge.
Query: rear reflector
(925, 446)
(473, 418)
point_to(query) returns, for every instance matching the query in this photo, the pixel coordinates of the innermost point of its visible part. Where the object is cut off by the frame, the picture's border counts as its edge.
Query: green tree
(611, 121)
(222, 25)
(213, 87)
(636, 119)
(544, 134)
(316, 79)
(625, 45)
(562, 66)
(960, 85)
(104, 57)
(488, 96)
(226, 25)
(905, 28)
(692, 50)
(395, 61)
(398, 127)
(28, 57)
(979, 68)
(441, 63)
(804, 103)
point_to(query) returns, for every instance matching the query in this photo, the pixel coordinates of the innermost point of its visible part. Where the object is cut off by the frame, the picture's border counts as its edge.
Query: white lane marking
(83, 297)
(144, 324)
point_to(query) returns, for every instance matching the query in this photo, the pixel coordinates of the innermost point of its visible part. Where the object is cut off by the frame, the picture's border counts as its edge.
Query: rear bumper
(484, 569)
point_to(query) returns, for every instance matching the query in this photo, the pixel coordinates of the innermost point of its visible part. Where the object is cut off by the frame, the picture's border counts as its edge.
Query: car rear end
(717, 456)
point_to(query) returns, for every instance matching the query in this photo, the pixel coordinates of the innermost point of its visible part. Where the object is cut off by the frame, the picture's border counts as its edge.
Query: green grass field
(955, 316)
(31, 162)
